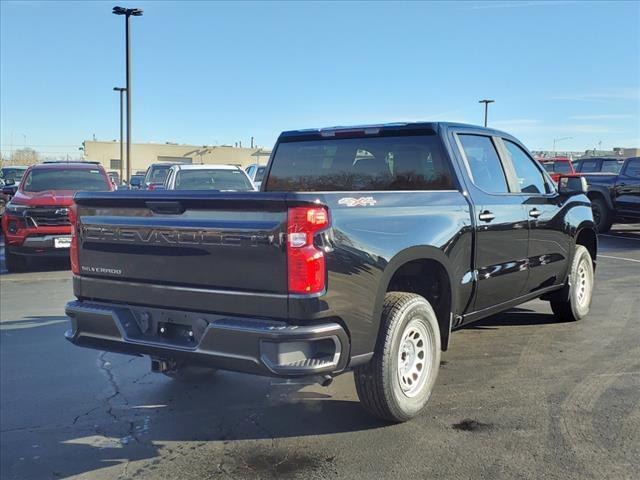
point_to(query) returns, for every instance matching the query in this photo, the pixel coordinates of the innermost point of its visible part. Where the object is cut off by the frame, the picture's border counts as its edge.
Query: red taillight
(305, 261)
(73, 250)
(151, 187)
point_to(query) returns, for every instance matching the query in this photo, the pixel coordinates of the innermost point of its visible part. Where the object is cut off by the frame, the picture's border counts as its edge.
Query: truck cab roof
(381, 129)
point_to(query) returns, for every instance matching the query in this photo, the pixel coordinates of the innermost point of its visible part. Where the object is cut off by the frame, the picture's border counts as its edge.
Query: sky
(211, 73)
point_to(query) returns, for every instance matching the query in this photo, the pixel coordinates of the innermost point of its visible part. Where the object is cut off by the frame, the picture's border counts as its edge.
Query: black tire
(576, 300)
(190, 373)
(14, 263)
(602, 215)
(383, 389)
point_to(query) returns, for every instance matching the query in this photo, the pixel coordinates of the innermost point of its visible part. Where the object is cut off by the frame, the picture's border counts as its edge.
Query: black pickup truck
(615, 197)
(364, 248)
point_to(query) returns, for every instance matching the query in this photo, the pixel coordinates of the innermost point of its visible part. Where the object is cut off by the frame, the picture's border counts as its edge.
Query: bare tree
(25, 156)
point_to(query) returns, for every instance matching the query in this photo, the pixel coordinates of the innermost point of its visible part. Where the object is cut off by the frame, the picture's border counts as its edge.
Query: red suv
(558, 166)
(36, 220)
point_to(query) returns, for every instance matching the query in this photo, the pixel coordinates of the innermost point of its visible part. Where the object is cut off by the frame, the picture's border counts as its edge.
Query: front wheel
(396, 384)
(577, 303)
(602, 216)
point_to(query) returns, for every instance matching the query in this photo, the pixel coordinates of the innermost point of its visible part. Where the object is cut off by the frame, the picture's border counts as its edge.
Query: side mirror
(10, 190)
(572, 185)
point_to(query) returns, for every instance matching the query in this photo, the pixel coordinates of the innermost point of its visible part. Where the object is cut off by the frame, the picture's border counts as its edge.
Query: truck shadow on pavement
(514, 317)
(232, 419)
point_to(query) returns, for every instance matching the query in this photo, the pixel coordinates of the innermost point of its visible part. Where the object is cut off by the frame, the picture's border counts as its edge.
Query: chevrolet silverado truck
(36, 223)
(364, 248)
(615, 196)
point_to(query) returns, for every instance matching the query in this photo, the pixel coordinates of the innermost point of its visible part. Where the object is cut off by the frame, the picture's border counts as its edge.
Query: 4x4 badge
(357, 202)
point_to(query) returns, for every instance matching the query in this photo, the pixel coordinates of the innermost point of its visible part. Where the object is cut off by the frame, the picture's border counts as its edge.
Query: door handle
(535, 213)
(165, 207)
(486, 216)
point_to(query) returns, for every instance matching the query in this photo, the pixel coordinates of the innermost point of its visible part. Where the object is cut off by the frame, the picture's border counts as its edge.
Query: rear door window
(484, 164)
(363, 163)
(611, 166)
(589, 166)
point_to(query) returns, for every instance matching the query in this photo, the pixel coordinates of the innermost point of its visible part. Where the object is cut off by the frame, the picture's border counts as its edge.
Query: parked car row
(180, 176)
(613, 186)
(36, 221)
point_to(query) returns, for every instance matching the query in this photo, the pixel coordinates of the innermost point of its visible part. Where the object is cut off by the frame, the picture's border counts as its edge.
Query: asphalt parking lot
(518, 396)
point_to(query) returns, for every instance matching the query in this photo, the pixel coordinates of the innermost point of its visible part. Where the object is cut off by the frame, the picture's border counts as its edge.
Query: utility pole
(128, 12)
(121, 90)
(486, 108)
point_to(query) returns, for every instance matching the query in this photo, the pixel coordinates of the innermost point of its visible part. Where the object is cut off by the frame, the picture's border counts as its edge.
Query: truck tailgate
(214, 241)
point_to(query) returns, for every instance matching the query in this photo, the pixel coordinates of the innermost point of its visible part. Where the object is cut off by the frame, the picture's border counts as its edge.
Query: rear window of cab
(363, 163)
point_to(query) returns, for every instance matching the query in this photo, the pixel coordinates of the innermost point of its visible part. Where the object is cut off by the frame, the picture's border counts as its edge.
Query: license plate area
(176, 333)
(62, 242)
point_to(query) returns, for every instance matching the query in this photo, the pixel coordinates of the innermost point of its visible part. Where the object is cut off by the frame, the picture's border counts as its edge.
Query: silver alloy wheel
(414, 357)
(584, 284)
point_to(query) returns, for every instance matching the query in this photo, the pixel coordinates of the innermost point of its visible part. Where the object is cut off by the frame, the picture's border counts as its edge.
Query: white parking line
(618, 237)
(620, 258)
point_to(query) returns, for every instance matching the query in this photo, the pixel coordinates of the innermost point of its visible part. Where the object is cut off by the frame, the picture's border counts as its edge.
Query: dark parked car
(597, 165)
(615, 197)
(136, 181)
(364, 249)
(11, 177)
(156, 175)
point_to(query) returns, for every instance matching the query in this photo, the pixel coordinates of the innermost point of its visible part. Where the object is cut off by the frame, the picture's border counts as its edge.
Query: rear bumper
(249, 345)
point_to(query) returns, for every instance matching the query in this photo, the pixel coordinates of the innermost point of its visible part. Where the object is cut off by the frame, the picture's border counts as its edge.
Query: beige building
(144, 154)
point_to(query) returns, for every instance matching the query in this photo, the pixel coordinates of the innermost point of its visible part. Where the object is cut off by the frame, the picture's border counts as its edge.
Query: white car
(256, 173)
(208, 177)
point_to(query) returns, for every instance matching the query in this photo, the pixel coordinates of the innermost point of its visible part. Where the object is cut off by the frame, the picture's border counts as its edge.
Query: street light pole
(556, 140)
(128, 12)
(121, 90)
(486, 108)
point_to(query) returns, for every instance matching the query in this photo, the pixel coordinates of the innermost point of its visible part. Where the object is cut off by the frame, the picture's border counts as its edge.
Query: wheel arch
(587, 237)
(416, 259)
(601, 193)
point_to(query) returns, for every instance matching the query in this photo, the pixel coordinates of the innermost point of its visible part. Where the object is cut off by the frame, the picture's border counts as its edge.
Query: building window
(115, 164)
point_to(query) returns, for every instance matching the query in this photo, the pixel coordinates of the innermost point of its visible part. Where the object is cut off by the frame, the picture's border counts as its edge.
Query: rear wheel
(396, 384)
(577, 303)
(13, 262)
(602, 216)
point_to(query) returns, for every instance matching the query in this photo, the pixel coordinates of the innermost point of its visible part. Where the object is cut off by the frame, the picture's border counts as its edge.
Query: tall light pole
(121, 90)
(486, 108)
(556, 140)
(128, 12)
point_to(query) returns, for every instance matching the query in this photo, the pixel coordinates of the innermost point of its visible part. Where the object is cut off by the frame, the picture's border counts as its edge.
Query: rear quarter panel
(370, 240)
